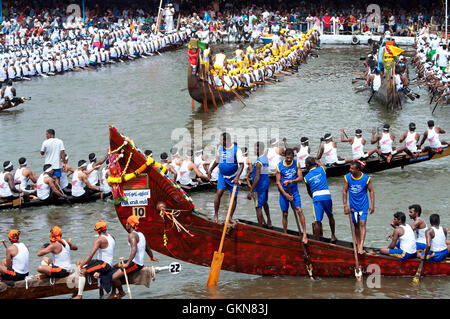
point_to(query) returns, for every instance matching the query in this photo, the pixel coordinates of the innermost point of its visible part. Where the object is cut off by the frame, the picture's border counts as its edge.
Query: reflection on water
(144, 100)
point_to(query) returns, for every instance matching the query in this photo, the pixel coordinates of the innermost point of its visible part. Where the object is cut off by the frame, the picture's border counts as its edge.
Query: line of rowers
(88, 178)
(70, 55)
(433, 68)
(358, 194)
(249, 68)
(15, 266)
(182, 169)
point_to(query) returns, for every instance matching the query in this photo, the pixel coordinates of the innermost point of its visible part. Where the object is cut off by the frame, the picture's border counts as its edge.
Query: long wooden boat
(36, 287)
(389, 96)
(5, 107)
(172, 226)
(58, 202)
(204, 92)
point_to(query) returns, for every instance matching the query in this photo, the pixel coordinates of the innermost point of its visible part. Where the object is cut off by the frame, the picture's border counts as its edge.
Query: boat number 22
(174, 268)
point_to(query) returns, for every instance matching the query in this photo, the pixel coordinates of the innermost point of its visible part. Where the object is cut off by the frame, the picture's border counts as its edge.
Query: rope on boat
(171, 215)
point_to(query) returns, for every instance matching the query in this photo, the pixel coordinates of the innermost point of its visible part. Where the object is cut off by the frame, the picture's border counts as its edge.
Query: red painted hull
(247, 248)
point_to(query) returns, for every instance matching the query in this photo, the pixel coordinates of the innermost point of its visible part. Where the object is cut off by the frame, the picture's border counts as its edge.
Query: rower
(329, 149)
(8, 190)
(274, 154)
(60, 265)
(386, 140)
(317, 187)
(419, 226)
(355, 188)
(220, 62)
(200, 161)
(169, 168)
(289, 174)
(259, 189)
(239, 56)
(23, 176)
(104, 244)
(105, 188)
(16, 264)
(66, 171)
(403, 243)
(231, 163)
(303, 151)
(81, 187)
(47, 188)
(357, 144)
(206, 58)
(135, 262)
(436, 248)
(411, 138)
(184, 174)
(93, 175)
(247, 171)
(432, 135)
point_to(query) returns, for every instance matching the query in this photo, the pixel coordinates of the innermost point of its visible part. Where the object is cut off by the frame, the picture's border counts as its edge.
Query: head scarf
(100, 226)
(13, 235)
(55, 235)
(133, 220)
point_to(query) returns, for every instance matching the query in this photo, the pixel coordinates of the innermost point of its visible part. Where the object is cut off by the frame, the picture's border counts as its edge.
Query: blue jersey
(317, 181)
(357, 191)
(228, 164)
(264, 173)
(287, 173)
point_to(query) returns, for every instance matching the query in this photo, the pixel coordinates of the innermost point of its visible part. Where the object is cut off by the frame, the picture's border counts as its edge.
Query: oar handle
(4, 244)
(233, 194)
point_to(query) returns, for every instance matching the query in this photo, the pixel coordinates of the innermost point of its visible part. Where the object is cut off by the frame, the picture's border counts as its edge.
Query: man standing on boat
(259, 189)
(317, 187)
(329, 149)
(104, 244)
(59, 267)
(54, 152)
(231, 164)
(16, 264)
(403, 243)
(355, 189)
(289, 173)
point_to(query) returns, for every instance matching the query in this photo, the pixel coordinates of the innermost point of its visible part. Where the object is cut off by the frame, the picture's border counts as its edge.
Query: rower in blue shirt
(259, 189)
(231, 163)
(356, 186)
(288, 175)
(317, 186)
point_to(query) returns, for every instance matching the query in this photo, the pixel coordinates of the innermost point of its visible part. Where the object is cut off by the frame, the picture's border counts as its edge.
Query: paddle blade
(214, 271)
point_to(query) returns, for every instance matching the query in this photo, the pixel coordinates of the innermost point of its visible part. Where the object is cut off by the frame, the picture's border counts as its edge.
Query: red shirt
(193, 56)
(326, 21)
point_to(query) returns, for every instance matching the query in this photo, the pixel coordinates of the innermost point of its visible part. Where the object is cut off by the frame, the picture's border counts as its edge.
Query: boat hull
(247, 248)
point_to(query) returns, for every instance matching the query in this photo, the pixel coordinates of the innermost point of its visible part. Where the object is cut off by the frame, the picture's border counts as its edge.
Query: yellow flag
(394, 50)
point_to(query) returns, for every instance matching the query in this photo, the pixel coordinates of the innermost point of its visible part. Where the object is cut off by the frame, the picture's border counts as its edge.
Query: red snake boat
(172, 226)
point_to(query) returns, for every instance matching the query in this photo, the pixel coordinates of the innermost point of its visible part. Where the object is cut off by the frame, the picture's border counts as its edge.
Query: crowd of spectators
(401, 18)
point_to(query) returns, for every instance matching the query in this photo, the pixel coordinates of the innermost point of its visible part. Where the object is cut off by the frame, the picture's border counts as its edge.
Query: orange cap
(133, 220)
(55, 235)
(100, 226)
(13, 235)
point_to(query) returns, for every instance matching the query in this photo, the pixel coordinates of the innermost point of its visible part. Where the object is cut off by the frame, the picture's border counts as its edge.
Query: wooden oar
(126, 278)
(415, 281)
(4, 244)
(237, 95)
(212, 95)
(306, 257)
(216, 263)
(358, 273)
